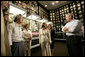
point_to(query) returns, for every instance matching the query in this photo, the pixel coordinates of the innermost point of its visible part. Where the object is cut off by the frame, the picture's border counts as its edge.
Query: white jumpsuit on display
(45, 40)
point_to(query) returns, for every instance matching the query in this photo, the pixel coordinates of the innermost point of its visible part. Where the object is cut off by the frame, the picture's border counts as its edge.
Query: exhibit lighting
(33, 17)
(17, 11)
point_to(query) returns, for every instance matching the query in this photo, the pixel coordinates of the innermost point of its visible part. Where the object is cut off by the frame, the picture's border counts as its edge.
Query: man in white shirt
(74, 35)
(15, 36)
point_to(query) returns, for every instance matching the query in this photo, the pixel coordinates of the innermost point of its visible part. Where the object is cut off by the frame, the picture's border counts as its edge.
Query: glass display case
(34, 27)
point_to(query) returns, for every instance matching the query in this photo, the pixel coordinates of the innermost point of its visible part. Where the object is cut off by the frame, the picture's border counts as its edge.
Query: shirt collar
(71, 20)
(17, 24)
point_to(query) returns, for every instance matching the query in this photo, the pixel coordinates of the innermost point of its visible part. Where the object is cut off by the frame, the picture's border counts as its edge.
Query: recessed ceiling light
(45, 5)
(57, 1)
(53, 3)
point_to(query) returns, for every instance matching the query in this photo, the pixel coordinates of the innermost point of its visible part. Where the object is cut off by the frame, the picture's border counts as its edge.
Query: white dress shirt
(27, 34)
(74, 27)
(14, 32)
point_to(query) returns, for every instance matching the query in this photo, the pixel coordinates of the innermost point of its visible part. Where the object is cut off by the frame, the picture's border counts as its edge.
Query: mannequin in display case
(45, 40)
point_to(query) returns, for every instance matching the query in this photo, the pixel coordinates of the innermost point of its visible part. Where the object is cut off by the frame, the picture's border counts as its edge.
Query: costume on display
(45, 40)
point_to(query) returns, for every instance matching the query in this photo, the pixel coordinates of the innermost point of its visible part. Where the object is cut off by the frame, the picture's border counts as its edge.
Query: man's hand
(66, 29)
(82, 28)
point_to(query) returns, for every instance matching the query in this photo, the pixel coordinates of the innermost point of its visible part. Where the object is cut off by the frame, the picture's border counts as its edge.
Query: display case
(43, 13)
(80, 9)
(52, 17)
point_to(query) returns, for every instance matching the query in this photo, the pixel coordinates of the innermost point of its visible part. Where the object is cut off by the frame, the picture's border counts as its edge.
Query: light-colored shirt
(74, 27)
(15, 33)
(26, 34)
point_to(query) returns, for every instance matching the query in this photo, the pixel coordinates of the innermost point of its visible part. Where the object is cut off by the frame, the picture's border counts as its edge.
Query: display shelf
(34, 46)
(60, 39)
(32, 6)
(43, 13)
(35, 39)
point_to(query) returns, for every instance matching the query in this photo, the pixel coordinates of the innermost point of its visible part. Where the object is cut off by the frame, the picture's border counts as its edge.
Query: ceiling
(50, 6)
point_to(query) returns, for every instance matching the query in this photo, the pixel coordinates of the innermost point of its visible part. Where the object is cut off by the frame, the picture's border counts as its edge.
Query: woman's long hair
(17, 17)
(43, 25)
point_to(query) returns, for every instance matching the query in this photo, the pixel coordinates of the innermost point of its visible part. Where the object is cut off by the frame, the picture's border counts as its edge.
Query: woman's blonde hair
(50, 25)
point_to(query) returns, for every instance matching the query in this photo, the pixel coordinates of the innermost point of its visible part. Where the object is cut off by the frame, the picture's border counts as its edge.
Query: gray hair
(70, 14)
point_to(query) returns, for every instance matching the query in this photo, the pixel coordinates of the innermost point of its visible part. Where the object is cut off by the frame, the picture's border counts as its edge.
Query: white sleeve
(63, 28)
(73, 27)
(10, 32)
(31, 34)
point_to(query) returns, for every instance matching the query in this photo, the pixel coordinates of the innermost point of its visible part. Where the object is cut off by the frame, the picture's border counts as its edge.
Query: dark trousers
(52, 45)
(17, 49)
(74, 45)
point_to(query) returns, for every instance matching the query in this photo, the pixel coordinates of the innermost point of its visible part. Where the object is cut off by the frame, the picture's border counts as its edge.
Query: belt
(17, 42)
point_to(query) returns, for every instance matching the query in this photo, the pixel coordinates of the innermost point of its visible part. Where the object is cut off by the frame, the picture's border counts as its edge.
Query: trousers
(46, 51)
(74, 45)
(17, 49)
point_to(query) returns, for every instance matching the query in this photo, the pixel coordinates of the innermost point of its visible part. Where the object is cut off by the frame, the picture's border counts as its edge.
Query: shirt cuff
(10, 43)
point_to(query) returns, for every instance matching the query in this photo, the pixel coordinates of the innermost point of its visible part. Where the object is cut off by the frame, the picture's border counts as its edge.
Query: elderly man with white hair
(74, 35)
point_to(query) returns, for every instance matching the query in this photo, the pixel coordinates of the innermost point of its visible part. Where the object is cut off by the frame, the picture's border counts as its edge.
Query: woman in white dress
(45, 40)
(27, 35)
